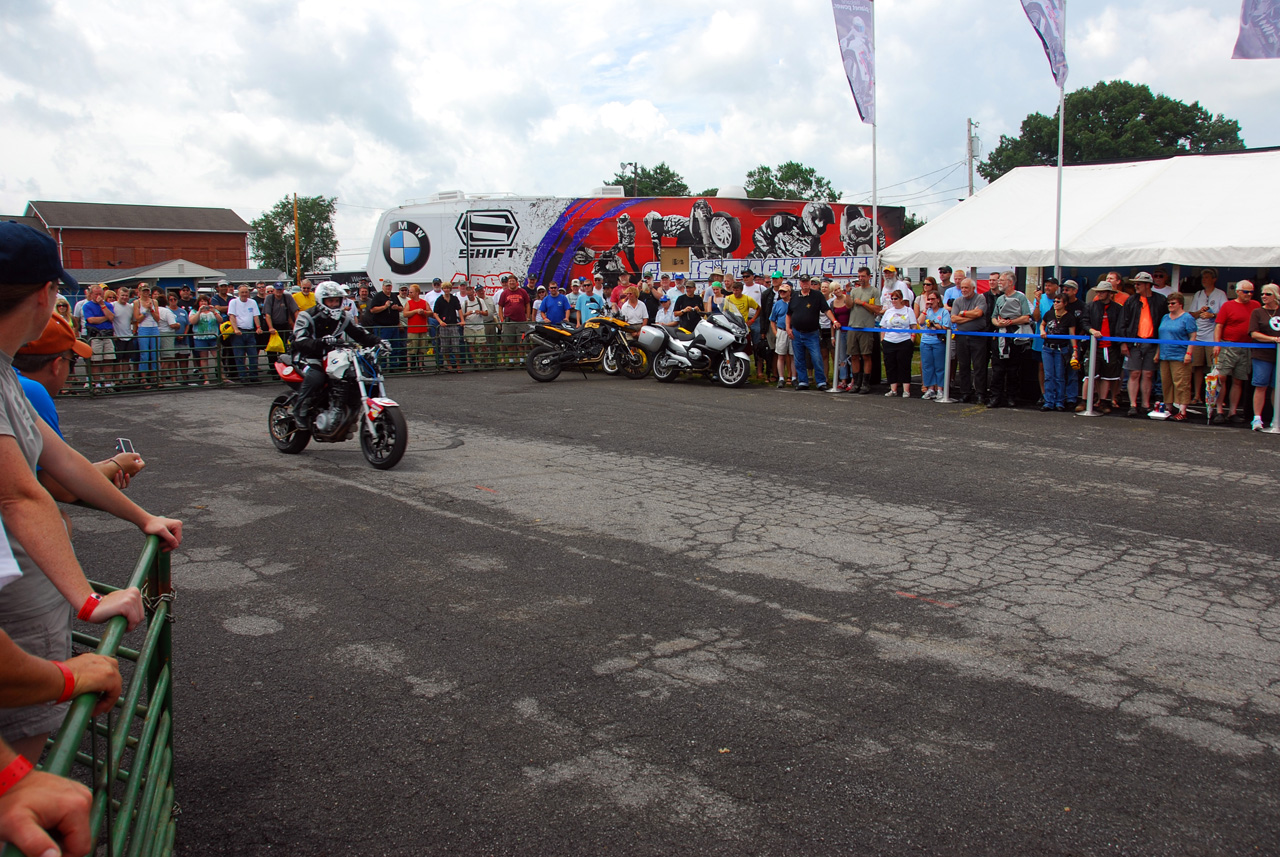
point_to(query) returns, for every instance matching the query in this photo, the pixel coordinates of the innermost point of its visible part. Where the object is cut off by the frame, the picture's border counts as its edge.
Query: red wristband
(68, 682)
(14, 771)
(90, 604)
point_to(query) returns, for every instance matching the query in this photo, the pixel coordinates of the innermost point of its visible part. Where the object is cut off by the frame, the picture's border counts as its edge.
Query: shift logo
(406, 247)
(487, 233)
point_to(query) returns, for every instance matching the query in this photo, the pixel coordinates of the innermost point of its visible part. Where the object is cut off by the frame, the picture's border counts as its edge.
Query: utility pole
(635, 173)
(970, 146)
(297, 256)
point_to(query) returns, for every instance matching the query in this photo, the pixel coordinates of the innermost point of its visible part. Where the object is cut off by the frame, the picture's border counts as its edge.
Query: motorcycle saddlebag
(651, 338)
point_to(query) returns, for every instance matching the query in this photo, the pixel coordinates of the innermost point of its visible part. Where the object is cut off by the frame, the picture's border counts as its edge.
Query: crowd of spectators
(826, 334)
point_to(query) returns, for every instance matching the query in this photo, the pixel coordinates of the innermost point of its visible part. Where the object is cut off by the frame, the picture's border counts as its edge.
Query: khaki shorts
(1200, 356)
(860, 343)
(45, 636)
(103, 349)
(782, 343)
(1235, 362)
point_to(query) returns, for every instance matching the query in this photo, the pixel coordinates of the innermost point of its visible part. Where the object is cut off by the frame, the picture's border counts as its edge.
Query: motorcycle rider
(314, 332)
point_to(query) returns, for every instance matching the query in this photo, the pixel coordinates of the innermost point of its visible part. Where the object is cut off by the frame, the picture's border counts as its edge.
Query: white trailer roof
(1220, 210)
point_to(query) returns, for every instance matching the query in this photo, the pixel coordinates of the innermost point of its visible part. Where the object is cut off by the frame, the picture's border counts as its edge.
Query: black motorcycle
(604, 341)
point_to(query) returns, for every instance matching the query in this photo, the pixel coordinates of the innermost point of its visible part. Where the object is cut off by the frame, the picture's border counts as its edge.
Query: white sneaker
(1256, 425)
(928, 394)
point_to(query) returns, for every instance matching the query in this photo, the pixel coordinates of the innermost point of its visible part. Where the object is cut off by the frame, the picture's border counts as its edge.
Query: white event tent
(1220, 210)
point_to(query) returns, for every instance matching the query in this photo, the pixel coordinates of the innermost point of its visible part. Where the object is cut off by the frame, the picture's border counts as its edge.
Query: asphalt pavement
(602, 616)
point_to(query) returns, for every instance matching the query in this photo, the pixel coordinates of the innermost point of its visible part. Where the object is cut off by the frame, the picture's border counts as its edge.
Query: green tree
(789, 181)
(271, 242)
(657, 181)
(1112, 121)
(912, 222)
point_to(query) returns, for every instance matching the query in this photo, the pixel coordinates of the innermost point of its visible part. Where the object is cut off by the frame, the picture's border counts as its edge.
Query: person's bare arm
(32, 518)
(28, 680)
(120, 469)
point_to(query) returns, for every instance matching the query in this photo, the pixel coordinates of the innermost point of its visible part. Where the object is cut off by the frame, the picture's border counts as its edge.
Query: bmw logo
(405, 247)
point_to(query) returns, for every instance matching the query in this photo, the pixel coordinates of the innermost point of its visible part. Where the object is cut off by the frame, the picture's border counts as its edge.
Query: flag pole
(875, 184)
(1062, 124)
(1057, 227)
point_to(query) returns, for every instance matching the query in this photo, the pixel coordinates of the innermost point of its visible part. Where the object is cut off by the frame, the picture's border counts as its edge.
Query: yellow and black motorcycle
(603, 340)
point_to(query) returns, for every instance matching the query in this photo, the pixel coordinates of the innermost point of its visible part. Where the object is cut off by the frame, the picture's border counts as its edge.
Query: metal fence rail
(127, 756)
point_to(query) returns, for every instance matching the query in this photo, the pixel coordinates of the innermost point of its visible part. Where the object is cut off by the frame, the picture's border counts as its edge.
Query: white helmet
(329, 289)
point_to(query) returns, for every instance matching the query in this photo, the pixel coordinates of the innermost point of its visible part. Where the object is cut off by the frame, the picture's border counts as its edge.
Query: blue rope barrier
(941, 331)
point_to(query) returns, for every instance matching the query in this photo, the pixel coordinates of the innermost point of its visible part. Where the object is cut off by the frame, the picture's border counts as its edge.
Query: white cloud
(240, 103)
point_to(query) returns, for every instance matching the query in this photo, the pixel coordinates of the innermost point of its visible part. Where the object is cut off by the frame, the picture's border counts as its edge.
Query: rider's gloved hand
(330, 341)
(384, 348)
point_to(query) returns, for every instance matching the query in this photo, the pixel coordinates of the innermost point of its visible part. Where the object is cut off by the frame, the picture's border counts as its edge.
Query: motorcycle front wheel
(664, 368)
(385, 445)
(543, 364)
(635, 362)
(733, 371)
(611, 361)
(285, 434)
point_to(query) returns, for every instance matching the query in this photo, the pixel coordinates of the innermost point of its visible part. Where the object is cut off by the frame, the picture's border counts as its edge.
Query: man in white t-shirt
(1204, 308)
(1161, 284)
(246, 320)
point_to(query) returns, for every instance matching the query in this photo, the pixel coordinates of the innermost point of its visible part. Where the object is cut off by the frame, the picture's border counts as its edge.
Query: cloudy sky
(240, 102)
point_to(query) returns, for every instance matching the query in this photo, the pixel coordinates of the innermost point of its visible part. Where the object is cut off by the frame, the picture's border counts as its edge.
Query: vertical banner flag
(1259, 37)
(855, 28)
(1046, 17)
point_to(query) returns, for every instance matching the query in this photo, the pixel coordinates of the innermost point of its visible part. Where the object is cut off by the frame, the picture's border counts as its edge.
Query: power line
(917, 178)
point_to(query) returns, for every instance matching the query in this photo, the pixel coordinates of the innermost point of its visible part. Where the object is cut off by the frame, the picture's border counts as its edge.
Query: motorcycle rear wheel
(542, 364)
(733, 371)
(385, 447)
(284, 431)
(664, 368)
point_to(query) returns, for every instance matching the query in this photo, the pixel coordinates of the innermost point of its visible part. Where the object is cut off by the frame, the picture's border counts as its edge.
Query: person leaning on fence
(842, 309)
(98, 314)
(1041, 305)
(1175, 360)
(896, 344)
(1076, 370)
(448, 313)
(781, 339)
(1057, 354)
(204, 325)
(969, 313)
(513, 314)
(476, 315)
(1204, 307)
(1009, 354)
(933, 346)
(804, 313)
(1264, 327)
(416, 330)
(34, 609)
(1105, 321)
(1234, 363)
(861, 343)
(1140, 319)
(279, 312)
(126, 349)
(246, 322)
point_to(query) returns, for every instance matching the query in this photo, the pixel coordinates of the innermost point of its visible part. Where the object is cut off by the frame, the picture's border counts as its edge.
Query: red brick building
(108, 235)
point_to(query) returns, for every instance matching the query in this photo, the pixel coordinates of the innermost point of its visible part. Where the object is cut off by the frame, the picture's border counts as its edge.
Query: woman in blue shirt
(1175, 360)
(933, 348)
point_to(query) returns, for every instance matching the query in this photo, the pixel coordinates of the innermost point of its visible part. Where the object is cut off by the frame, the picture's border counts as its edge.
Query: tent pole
(1057, 227)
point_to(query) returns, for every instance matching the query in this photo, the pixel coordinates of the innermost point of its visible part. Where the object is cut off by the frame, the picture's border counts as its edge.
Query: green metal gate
(127, 755)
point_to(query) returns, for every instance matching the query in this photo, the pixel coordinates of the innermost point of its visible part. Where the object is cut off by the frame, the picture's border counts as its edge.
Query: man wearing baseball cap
(53, 587)
(43, 366)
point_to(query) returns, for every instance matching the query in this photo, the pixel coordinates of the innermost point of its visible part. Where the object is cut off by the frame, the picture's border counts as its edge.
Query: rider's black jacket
(313, 325)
